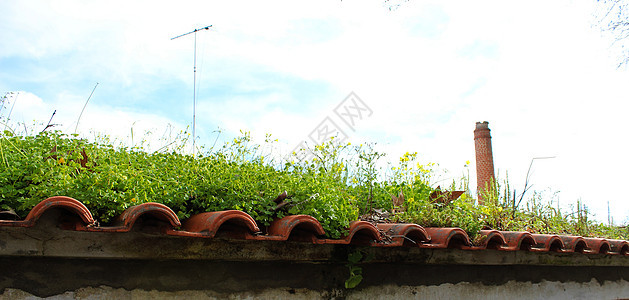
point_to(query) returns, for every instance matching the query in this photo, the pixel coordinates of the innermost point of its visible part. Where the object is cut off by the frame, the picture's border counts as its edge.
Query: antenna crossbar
(198, 29)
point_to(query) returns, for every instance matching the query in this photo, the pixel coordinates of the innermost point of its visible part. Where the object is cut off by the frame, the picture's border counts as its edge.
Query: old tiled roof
(235, 224)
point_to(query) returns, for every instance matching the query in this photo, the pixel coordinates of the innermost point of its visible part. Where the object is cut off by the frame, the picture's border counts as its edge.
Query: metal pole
(194, 97)
(194, 85)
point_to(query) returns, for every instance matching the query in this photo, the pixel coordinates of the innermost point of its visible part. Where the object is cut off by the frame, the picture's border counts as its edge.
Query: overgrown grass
(236, 175)
(340, 183)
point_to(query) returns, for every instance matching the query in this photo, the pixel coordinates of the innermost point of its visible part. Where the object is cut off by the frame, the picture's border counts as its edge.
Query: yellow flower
(61, 161)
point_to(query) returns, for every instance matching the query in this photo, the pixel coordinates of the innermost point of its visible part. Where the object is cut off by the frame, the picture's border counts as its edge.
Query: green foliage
(238, 175)
(539, 214)
(356, 272)
(337, 185)
(460, 213)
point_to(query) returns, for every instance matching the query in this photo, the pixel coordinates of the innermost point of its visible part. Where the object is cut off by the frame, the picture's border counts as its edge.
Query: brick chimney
(484, 158)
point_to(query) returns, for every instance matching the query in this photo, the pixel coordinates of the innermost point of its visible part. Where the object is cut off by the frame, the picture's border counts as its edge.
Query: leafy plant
(356, 272)
(337, 185)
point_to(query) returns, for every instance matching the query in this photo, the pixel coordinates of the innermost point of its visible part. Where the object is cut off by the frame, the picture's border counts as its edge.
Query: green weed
(340, 183)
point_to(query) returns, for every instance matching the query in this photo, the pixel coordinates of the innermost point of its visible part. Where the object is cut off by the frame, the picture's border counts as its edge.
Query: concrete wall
(464, 290)
(45, 261)
(63, 278)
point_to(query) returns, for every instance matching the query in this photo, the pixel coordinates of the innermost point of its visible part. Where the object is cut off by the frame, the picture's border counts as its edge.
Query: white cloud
(537, 71)
(32, 114)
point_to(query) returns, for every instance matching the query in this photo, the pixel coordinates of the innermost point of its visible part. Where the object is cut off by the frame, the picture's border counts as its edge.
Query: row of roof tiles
(236, 224)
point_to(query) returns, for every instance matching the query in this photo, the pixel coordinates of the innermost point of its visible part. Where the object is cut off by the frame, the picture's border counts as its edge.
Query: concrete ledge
(48, 241)
(47, 261)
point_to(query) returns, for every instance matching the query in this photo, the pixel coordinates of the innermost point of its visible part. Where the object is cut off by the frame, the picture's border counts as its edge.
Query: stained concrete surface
(464, 290)
(50, 276)
(48, 262)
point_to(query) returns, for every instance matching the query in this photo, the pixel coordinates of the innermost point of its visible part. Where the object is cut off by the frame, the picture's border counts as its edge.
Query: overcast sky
(539, 72)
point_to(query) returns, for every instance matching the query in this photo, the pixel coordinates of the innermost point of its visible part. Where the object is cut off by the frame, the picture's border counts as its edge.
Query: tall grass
(339, 183)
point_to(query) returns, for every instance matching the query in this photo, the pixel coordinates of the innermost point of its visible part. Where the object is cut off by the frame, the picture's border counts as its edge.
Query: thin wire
(526, 183)
(4, 99)
(12, 106)
(82, 110)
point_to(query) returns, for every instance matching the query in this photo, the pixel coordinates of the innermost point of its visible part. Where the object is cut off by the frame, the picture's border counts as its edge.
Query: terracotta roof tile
(619, 246)
(573, 243)
(518, 240)
(133, 215)
(493, 239)
(360, 233)
(446, 237)
(233, 224)
(547, 242)
(409, 235)
(596, 245)
(60, 202)
(297, 228)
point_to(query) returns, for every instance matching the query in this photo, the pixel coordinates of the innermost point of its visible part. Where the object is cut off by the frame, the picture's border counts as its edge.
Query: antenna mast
(194, 84)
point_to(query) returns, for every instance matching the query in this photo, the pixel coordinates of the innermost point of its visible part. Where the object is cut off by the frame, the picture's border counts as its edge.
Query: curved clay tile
(409, 235)
(360, 233)
(210, 223)
(446, 237)
(297, 227)
(518, 240)
(66, 203)
(547, 243)
(128, 218)
(619, 246)
(573, 243)
(597, 245)
(492, 239)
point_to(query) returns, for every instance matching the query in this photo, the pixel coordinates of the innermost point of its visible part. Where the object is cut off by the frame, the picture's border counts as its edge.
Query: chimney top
(482, 125)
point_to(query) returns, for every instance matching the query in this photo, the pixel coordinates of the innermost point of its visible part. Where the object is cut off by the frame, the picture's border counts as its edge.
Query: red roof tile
(619, 246)
(297, 227)
(234, 223)
(518, 240)
(445, 237)
(405, 234)
(547, 242)
(128, 219)
(596, 245)
(73, 206)
(360, 233)
(158, 218)
(492, 239)
(573, 243)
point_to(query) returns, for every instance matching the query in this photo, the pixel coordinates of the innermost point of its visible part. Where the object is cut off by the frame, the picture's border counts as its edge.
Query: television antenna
(194, 84)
